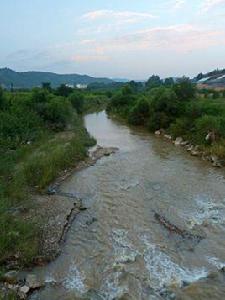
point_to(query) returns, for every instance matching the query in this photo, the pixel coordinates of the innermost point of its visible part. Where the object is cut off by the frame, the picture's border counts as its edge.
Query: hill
(35, 79)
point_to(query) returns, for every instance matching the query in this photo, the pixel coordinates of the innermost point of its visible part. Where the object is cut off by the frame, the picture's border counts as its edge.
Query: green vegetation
(178, 108)
(41, 134)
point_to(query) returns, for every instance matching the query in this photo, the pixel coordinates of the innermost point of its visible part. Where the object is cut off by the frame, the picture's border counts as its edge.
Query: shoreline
(54, 211)
(194, 150)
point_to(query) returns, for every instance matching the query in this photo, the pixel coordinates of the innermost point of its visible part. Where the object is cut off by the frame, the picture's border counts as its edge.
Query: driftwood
(174, 229)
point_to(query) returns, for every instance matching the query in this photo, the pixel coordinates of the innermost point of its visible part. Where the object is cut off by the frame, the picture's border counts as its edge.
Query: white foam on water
(207, 210)
(75, 280)
(50, 279)
(163, 272)
(215, 262)
(124, 250)
(111, 288)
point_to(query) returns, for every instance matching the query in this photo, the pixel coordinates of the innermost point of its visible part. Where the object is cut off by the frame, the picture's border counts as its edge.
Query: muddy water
(117, 249)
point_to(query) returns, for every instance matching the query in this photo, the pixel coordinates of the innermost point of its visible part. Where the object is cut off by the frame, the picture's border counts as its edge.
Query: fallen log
(174, 229)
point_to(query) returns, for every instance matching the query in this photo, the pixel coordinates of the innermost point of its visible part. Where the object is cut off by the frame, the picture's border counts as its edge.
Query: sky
(114, 38)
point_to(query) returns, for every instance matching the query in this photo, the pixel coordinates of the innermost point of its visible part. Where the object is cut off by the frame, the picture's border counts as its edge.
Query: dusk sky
(115, 38)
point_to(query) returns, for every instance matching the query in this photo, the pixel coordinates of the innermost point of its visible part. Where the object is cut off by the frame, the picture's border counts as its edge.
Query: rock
(178, 141)
(216, 162)
(32, 281)
(211, 137)
(184, 143)
(24, 289)
(168, 137)
(195, 153)
(11, 277)
(190, 147)
(157, 132)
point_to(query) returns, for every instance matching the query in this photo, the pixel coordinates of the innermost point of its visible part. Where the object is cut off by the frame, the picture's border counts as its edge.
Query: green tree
(139, 114)
(169, 81)
(153, 82)
(164, 108)
(46, 86)
(77, 101)
(2, 100)
(64, 90)
(184, 90)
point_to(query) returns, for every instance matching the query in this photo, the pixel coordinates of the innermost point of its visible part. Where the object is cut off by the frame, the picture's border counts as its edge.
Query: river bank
(53, 213)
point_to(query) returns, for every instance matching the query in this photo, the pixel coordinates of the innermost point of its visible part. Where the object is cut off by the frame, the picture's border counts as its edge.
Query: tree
(64, 90)
(46, 86)
(77, 101)
(164, 108)
(184, 89)
(169, 81)
(127, 90)
(140, 112)
(153, 82)
(1, 99)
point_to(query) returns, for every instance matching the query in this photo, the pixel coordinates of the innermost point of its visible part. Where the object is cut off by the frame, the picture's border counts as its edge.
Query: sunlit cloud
(119, 16)
(82, 58)
(178, 38)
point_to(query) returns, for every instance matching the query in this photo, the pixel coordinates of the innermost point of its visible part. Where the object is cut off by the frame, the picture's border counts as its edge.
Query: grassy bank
(41, 134)
(177, 108)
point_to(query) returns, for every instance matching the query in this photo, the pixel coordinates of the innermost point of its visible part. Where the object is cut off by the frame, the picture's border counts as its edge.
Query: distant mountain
(35, 79)
(214, 79)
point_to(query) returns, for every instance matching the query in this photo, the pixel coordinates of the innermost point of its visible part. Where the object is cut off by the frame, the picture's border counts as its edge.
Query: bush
(139, 114)
(164, 108)
(181, 127)
(57, 113)
(207, 124)
(184, 90)
(77, 101)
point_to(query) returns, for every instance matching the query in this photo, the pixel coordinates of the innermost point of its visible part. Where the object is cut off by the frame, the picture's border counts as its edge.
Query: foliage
(153, 82)
(176, 108)
(77, 101)
(41, 134)
(139, 113)
(184, 90)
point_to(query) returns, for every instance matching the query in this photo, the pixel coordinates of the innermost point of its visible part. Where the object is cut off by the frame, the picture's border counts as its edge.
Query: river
(117, 248)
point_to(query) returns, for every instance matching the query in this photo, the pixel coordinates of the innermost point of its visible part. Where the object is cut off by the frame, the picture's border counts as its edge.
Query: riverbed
(117, 248)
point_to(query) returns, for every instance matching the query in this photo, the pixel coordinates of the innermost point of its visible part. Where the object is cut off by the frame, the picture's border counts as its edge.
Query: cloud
(181, 38)
(84, 58)
(208, 5)
(177, 4)
(119, 16)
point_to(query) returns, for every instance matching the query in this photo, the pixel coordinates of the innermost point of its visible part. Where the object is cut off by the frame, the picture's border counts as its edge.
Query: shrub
(164, 108)
(77, 101)
(184, 90)
(139, 114)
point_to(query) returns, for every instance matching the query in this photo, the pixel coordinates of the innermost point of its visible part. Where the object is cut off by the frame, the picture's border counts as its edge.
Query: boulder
(211, 137)
(215, 161)
(195, 152)
(32, 281)
(190, 148)
(168, 137)
(178, 141)
(157, 132)
(184, 143)
(10, 277)
(23, 291)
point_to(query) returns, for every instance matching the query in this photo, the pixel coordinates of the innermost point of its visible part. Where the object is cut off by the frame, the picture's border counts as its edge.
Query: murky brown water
(117, 249)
